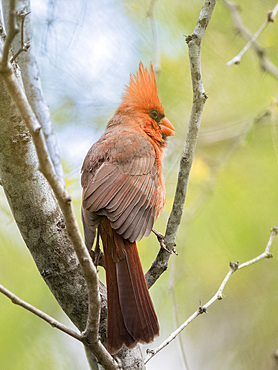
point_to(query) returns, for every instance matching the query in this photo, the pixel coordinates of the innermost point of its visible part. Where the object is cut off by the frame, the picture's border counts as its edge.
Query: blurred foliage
(232, 198)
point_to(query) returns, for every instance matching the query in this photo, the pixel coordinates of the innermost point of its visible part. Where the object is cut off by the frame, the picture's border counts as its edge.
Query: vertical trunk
(41, 222)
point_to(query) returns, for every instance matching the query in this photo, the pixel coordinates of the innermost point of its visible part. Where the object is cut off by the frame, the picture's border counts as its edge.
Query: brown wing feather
(128, 199)
(116, 202)
(130, 211)
(137, 215)
(123, 190)
(103, 175)
(90, 223)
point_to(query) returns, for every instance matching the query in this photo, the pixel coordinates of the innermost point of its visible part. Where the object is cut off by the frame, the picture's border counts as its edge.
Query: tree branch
(90, 334)
(199, 98)
(24, 46)
(265, 63)
(90, 272)
(32, 84)
(234, 266)
(50, 320)
(43, 225)
(13, 29)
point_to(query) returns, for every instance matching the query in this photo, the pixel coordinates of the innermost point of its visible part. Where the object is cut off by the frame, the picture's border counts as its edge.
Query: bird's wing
(123, 188)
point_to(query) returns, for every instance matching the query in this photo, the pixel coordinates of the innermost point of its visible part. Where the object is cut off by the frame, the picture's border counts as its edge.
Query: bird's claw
(160, 238)
(97, 254)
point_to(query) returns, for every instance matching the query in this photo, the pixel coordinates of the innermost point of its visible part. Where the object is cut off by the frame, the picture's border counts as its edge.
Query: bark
(37, 213)
(32, 82)
(41, 223)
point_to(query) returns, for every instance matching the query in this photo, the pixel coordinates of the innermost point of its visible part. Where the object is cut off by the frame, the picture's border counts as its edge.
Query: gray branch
(199, 98)
(234, 266)
(50, 320)
(38, 215)
(32, 83)
(265, 63)
(90, 273)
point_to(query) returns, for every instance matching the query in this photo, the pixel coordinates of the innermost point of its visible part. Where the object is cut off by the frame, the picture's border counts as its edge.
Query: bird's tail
(131, 315)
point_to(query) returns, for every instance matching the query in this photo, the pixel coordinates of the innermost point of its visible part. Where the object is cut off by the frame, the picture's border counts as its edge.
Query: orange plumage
(141, 93)
(123, 193)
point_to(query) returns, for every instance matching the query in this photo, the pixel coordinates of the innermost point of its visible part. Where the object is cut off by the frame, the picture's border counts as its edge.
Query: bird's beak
(166, 127)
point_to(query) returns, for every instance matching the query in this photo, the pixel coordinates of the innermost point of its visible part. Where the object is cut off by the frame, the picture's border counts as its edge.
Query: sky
(87, 59)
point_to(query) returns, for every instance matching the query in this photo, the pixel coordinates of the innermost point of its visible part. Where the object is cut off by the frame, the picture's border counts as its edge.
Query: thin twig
(234, 266)
(50, 320)
(199, 98)
(220, 133)
(237, 58)
(265, 63)
(24, 45)
(13, 29)
(160, 237)
(32, 85)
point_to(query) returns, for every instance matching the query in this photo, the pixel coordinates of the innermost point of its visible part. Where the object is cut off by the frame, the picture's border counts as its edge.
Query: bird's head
(141, 101)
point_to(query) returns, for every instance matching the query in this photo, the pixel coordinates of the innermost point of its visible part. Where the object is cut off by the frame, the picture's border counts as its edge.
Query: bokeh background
(85, 51)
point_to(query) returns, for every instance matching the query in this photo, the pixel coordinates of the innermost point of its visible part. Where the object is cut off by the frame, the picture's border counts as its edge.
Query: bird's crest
(141, 93)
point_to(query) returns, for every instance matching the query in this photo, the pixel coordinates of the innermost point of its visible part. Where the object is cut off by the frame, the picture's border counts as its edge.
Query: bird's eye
(157, 116)
(154, 114)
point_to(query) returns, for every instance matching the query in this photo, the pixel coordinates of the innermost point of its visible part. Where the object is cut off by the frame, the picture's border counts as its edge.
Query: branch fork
(90, 336)
(24, 45)
(160, 238)
(265, 63)
(234, 266)
(46, 167)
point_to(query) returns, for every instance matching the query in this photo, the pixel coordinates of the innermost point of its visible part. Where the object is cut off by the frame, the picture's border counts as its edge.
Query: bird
(123, 194)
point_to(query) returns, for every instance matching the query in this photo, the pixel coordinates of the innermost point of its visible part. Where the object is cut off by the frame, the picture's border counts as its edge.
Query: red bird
(123, 194)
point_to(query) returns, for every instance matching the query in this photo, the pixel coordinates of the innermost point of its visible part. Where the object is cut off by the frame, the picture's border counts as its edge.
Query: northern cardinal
(123, 194)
